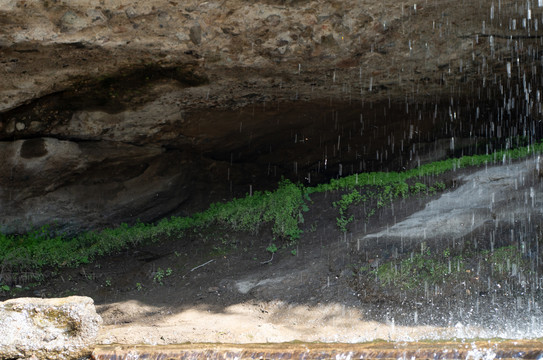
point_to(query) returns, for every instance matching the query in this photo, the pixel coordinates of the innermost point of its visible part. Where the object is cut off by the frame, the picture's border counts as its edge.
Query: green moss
(417, 269)
(281, 209)
(383, 187)
(431, 169)
(504, 260)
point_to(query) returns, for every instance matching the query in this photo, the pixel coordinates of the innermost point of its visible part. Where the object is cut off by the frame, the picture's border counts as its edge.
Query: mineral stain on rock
(196, 34)
(33, 148)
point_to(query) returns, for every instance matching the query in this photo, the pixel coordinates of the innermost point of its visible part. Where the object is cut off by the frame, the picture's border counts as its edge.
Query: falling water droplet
(492, 11)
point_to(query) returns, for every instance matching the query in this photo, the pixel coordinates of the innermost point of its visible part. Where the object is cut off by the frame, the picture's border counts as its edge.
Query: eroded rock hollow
(114, 110)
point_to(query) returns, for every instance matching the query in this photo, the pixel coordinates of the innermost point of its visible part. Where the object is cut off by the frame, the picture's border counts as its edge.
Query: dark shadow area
(110, 93)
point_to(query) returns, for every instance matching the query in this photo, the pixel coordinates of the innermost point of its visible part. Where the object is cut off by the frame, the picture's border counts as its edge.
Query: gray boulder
(60, 328)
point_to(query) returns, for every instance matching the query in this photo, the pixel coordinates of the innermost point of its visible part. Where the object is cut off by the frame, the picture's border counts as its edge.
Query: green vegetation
(382, 188)
(507, 260)
(160, 274)
(418, 269)
(354, 197)
(378, 195)
(431, 169)
(282, 210)
(41, 248)
(272, 249)
(225, 245)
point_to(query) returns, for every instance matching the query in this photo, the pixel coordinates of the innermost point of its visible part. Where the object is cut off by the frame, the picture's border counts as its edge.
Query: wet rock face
(54, 329)
(116, 110)
(482, 207)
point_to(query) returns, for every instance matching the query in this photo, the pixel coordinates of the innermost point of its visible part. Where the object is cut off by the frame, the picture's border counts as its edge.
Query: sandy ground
(263, 323)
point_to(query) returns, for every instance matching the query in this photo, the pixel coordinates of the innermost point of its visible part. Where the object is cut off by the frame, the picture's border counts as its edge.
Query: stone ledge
(60, 328)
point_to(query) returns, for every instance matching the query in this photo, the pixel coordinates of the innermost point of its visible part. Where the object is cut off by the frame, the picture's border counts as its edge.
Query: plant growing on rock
(160, 274)
(24, 256)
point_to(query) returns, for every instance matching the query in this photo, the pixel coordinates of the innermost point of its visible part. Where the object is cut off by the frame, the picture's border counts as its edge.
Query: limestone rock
(62, 328)
(71, 21)
(390, 42)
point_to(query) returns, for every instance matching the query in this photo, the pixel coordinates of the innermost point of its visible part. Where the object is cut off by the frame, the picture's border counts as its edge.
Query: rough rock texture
(100, 182)
(272, 48)
(118, 110)
(63, 328)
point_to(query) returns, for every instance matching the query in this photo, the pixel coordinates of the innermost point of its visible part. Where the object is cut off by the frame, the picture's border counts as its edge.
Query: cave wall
(117, 110)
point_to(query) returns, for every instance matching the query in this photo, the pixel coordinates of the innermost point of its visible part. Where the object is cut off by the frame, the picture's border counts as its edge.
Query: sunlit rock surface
(63, 328)
(500, 197)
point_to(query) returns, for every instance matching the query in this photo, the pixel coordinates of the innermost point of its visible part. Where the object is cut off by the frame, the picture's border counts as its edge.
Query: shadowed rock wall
(118, 110)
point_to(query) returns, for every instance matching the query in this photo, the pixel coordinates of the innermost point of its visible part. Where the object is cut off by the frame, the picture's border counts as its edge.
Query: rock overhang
(247, 92)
